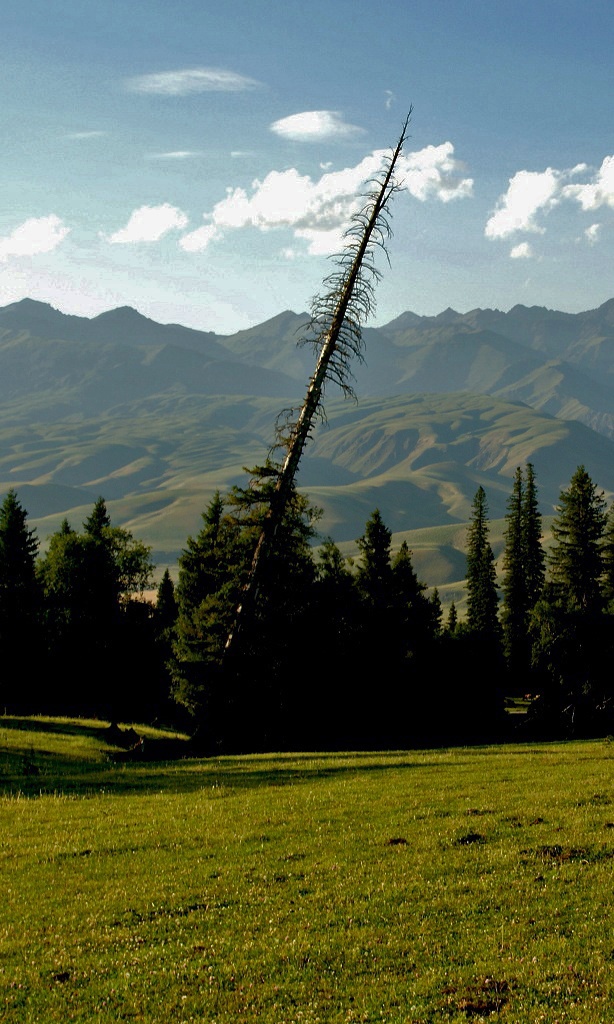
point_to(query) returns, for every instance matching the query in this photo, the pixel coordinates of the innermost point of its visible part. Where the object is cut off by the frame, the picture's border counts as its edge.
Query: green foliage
(88, 581)
(576, 559)
(20, 603)
(374, 575)
(482, 603)
(523, 573)
(214, 568)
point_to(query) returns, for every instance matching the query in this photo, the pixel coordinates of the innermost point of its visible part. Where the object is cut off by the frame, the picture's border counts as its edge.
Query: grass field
(416, 887)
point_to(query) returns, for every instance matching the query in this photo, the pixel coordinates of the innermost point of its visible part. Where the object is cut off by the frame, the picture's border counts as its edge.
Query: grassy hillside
(419, 459)
(432, 886)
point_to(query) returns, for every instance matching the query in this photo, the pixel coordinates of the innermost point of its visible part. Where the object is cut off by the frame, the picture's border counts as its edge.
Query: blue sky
(199, 160)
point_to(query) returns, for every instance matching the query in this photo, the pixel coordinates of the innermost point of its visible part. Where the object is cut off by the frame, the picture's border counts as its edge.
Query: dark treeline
(336, 653)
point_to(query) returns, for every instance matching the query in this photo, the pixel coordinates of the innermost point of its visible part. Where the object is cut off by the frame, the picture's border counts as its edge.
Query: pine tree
(94, 626)
(452, 620)
(243, 698)
(374, 576)
(482, 599)
(523, 565)
(534, 554)
(576, 557)
(19, 603)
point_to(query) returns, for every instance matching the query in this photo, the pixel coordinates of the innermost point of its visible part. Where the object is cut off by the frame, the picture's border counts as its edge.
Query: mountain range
(156, 417)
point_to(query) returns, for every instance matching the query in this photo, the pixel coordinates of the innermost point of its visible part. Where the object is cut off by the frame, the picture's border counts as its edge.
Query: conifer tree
(93, 623)
(523, 565)
(374, 575)
(19, 603)
(482, 599)
(534, 554)
(576, 557)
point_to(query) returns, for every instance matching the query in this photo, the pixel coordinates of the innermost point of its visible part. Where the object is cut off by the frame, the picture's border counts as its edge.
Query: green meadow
(409, 887)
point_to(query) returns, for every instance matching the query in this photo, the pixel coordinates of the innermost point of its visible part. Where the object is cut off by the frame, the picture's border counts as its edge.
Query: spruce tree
(482, 599)
(533, 550)
(374, 574)
(523, 578)
(576, 557)
(19, 604)
(94, 627)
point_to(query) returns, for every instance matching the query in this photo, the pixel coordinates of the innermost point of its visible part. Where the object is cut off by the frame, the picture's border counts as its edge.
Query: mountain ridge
(157, 417)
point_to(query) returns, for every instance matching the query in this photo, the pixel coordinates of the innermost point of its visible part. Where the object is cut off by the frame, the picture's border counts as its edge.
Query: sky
(200, 160)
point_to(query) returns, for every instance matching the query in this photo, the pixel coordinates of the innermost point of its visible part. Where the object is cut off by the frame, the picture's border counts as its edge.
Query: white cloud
(315, 125)
(528, 193)
(521, 252)
(599, 191)
(319, 211)
(592, 233)
(434, 173)
(34, 236)
(149, 224)
(191, 80)
(390, 98)
(198, 240)
(533, 192)
(175, 154)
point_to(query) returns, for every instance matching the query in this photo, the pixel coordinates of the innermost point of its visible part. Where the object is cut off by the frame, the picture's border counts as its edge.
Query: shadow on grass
(62, 726)
(28, 772)
(163, 767)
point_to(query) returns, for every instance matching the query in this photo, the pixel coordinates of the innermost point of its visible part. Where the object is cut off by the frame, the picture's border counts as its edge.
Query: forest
(336, 653)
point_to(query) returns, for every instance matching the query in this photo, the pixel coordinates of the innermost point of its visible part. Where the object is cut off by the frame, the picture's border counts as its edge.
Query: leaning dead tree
(335, 331)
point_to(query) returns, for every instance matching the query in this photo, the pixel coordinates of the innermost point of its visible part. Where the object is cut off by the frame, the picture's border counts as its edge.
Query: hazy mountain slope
(157, 417)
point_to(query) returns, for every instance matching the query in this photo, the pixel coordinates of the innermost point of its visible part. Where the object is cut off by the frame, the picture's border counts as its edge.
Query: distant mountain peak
(123, 313)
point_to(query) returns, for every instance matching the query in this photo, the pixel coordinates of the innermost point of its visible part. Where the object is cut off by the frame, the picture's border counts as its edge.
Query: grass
(406, 887)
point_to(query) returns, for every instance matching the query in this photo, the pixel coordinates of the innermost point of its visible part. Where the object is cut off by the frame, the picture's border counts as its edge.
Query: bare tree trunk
(336, 322)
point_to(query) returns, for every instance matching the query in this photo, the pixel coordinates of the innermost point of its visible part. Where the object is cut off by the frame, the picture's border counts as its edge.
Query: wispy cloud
(521, 252)
(318, 211)
(191, 80)
(390, 98)
(149, 224)
(84, 135)
(176, 154)
(592, 233)
(36, 235)
(315, 126)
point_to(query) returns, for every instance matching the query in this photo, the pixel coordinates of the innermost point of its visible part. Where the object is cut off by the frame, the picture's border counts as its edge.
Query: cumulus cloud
(599, 191)
(314, 126)
(529, 192)
(434, 173)
(319, 211)
(36, 235)
(149, 224)
(190, 80)
(521, 252)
